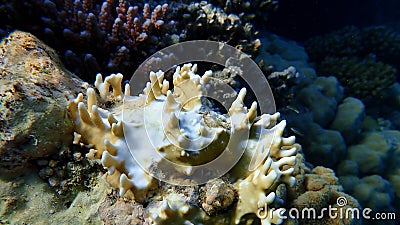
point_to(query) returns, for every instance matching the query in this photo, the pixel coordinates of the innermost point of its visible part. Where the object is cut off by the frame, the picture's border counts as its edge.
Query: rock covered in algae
(26, 199)
(34, 90)
(118, 211)
(217, 195)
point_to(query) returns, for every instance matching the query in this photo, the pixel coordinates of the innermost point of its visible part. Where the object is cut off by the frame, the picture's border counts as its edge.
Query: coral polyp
(175, 136)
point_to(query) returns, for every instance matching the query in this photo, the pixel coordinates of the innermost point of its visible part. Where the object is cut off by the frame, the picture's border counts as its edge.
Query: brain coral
(135, 138)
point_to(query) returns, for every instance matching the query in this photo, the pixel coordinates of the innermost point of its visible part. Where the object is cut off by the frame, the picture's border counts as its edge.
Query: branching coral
(141, 135)
(105, 34)
(256, 191)
(116, 36)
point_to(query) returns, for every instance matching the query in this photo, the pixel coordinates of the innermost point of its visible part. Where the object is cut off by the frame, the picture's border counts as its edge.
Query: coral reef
(116, 36)
(99, 35)
(32, 100)
(370, 170)
(347, 134)
(205, 21)
(283, 84)
(320, 189)
(371, 191)
(285, 65)
(366, 61)
(309, 117)
(366, 79)
(109, 133)
(111, 130)
(382, 41)
(281, 54)
(248, 10)
(363, 151)
(364, 156)
(321, 97)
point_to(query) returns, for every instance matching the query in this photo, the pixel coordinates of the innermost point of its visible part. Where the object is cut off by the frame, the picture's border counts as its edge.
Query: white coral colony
(174, 133)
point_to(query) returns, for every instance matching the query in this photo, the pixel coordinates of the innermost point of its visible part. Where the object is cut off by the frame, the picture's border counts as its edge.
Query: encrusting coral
(193, 135)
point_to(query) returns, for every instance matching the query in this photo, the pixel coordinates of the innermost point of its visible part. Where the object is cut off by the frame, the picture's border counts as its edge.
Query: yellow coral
(256, 192)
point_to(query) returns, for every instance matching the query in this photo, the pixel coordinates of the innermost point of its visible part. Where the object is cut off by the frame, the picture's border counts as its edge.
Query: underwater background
(332, 66)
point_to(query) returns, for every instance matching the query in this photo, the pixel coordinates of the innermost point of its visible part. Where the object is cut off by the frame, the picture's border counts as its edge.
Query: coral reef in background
(281, 54)
(363, 78)
(310, 115)
(348, 141)
(116, 36)
(343, 133)
(285, 66)
(366, 60)
(249, 10)
(363, 153)
(370, 170)
(32, 100)
(382, 41)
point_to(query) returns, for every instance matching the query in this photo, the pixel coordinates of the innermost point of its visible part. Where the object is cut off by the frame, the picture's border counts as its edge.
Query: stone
(34, 92)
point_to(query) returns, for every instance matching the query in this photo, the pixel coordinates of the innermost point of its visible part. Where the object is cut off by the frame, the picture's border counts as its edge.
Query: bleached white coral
(172, 134)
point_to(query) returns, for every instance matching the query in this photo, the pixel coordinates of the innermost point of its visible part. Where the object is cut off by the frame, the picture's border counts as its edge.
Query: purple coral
(116, 36)
(108, 33)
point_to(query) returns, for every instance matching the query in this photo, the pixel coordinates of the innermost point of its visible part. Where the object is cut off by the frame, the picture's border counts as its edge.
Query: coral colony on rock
(210, 132)
(192, 142)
